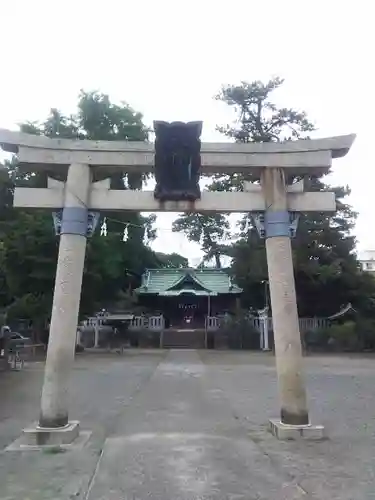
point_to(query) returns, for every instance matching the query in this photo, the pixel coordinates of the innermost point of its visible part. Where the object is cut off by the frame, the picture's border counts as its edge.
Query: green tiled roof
(173, 282)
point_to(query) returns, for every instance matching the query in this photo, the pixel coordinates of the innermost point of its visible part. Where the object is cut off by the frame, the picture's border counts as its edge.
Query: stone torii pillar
(66, 299)
(278, 225)
(283, 300)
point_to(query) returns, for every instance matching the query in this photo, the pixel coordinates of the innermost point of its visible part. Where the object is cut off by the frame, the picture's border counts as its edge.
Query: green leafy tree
(210, 230)
(258, 119)
(172, 260)
(99, 119)
(326, 269)
(28, 249)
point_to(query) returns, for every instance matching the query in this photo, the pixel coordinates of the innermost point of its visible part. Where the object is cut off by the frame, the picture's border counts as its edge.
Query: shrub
(347, 336)
(317, 338)
(344, 336)
(240, 333)
(366, 333)
(148, 338)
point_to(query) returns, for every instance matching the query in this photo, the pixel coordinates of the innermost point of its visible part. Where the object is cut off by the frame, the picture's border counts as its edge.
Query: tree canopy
(28, 245)
(326, 268)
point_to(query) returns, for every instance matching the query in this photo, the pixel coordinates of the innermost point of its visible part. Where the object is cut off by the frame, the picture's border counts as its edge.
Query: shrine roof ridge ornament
(299, 157)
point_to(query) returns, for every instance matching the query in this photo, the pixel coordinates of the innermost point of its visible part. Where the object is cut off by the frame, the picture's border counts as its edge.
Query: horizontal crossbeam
(298, 157)
(134, 161)
(144, 201)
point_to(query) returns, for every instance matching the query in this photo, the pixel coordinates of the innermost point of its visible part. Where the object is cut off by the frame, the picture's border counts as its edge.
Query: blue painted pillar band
(74, 221)
(277, 223)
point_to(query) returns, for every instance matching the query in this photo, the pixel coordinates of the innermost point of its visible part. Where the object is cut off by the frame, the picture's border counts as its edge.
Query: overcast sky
(168, 58)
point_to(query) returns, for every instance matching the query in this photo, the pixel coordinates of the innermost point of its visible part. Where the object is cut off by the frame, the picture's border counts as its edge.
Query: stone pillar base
(41, 436)
(293, 432)
(35, 437)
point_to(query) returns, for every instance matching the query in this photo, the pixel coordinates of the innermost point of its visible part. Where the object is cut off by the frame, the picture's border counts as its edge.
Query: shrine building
(186, 296)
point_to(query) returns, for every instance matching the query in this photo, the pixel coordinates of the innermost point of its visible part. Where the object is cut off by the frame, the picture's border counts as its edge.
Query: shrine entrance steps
(183, 338)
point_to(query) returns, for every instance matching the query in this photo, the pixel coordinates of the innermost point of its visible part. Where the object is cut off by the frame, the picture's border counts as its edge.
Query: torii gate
(82, 162)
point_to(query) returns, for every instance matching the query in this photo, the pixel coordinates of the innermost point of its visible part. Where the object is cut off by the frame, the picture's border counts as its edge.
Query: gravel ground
(193, 425)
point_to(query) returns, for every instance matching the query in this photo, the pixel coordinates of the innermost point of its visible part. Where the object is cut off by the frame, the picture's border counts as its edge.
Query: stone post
(66, 299)
(96, 332)
(266, 346)
(79, 337)
(266, 333)
(283, 300)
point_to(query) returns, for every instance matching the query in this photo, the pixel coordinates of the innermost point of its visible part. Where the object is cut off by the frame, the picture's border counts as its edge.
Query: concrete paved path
(187, 425)
(180, 440)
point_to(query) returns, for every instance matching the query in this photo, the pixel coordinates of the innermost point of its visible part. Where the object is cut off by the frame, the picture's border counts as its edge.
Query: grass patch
(54, 450)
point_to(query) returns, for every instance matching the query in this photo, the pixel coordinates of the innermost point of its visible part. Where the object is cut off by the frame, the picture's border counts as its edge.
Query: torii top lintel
(299, 157)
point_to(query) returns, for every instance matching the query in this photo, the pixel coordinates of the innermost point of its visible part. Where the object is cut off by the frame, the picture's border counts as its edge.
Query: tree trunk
(217, 260)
